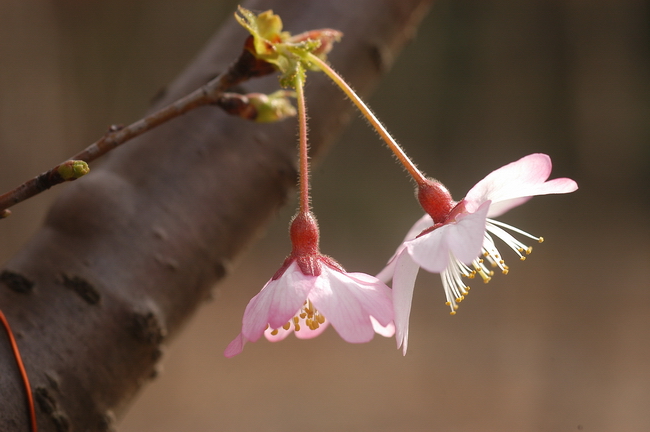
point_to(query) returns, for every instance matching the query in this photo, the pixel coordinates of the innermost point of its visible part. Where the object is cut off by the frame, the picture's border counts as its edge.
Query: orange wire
(23, 372)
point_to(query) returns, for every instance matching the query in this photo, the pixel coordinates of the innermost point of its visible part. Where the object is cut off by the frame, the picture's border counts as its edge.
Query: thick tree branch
(128, 253)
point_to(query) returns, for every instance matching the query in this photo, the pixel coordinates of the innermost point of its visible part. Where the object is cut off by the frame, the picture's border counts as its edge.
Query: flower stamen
(455, 288)
(308, 316)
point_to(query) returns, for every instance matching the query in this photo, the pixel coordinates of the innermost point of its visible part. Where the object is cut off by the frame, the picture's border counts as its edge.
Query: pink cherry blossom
(310, 292)
(459, 243)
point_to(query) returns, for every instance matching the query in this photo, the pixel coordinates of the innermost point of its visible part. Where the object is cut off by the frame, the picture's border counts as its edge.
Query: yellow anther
(303, 315)
(541, 239)
(529, 250)
(452, 313)
(480, 261)
(287, 325)
(523, 258)
(485, 277)
(455, 307)
(448, 304)
(296, 320)
(297, 327)
(505, 271)
(308, 322)
(274, 332)
(320, 318)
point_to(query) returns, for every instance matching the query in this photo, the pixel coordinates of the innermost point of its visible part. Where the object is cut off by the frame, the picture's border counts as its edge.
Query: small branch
(67, 171)
(246, 67)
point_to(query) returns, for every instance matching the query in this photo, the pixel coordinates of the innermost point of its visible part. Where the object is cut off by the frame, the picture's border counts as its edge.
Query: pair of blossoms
(310, 291)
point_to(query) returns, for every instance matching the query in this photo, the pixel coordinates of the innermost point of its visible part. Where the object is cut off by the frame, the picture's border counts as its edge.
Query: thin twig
(246, 67)
(23, 372)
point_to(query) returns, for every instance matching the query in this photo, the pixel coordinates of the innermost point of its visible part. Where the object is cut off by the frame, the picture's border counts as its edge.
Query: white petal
(463, 238)
(385, 331)
(423, 223)
(523, 178)
(406, 271)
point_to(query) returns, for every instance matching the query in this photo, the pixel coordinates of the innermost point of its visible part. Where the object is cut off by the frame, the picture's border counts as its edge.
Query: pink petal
(462, 238)
(235, 347)
(406, 271)
(523, 178)
(375, 296)
(348, 303)
(423, 223)
(277, 302)
(385, 331)
(306, 333)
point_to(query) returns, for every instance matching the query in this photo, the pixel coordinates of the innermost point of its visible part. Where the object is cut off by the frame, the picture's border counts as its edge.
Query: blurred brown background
(560, 344)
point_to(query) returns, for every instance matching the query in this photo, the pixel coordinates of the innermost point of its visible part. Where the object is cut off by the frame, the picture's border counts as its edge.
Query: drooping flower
(456, 239)
(311, 291)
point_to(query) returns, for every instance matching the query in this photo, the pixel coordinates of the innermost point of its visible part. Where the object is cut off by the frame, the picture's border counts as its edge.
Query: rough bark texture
(128, 253)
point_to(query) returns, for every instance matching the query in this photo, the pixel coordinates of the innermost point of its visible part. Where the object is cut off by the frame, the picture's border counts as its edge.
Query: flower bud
(73, 169)
(273, 107)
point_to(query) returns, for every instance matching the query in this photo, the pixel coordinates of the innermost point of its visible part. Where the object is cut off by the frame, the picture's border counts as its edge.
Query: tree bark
(129, 252)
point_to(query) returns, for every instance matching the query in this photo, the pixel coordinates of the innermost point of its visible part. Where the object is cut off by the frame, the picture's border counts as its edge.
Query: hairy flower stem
(419, 178)
(303, 146)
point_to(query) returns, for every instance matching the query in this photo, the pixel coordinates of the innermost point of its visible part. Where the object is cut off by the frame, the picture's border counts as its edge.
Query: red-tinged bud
(304, 234)
(436, 200)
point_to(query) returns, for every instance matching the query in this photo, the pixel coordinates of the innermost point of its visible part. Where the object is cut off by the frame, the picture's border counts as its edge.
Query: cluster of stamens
(455, 288)
(308, 316)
